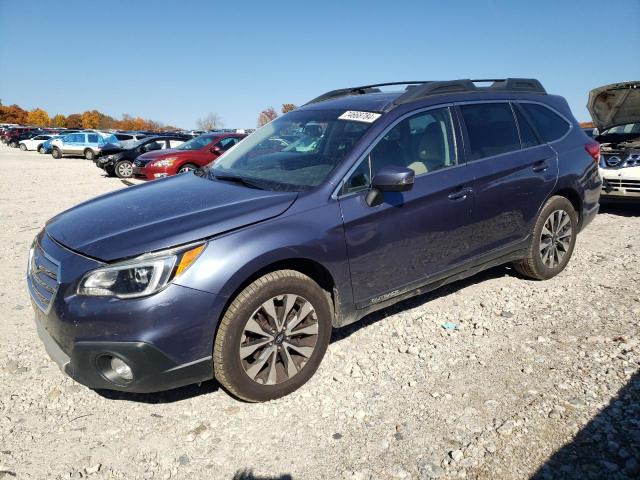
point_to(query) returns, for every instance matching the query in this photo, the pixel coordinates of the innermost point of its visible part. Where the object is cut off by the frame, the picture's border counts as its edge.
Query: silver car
(86, 144)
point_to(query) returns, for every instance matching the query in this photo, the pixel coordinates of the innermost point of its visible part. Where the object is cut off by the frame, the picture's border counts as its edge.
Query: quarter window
(93, 138)
(527, 135)
(491, 128)
(549, 124)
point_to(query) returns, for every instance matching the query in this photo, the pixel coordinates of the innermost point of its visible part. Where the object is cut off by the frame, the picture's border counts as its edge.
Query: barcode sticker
(366, 117)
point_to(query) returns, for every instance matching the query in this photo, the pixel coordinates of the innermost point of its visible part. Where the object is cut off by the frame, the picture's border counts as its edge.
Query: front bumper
(149, 172)
(166, 338)
(621, 183)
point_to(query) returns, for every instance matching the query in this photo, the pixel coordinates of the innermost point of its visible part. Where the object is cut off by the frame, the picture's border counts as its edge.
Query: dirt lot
(537, 379)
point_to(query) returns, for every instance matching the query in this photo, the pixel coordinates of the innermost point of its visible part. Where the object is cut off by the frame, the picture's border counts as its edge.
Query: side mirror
(390, 179)
(216, 150)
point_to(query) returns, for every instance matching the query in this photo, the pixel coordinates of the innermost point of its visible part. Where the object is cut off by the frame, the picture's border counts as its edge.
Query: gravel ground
(531, 379)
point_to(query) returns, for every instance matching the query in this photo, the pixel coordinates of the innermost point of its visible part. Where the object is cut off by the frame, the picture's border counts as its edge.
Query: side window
(424, 142)
(491, 128)
(175, 143)
(227, 143)
(549, 125)
(527, 135)
(93, 138)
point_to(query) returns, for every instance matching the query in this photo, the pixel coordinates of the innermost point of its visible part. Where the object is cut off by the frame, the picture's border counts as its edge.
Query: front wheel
(273, 336)
(187, 167)
(553, 240)
(89, 154)
(124, 169)
(42, 150)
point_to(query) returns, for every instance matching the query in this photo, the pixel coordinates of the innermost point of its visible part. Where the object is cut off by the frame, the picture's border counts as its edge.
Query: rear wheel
(89, 154)
(42, 150)
(553, 240)
(13, 144)
(273, 336)
(187, 167)
(23, 147)
(124, 169)
(56, 153)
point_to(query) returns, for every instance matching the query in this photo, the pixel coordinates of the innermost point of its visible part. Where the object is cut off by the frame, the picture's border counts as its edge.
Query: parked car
(615, 109)
(119, 160)
(241, 269)
(34, 143)
(87, 144)
(13, 136)
(128, 139)
(191, 155)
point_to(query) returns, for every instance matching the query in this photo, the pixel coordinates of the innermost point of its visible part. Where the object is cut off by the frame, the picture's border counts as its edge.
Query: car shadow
(621, 209)
(607, 447)
(167, 396)
(249, 475)
(413, 302)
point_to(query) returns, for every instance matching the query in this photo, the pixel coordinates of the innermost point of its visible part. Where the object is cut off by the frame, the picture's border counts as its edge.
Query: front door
(411, 236)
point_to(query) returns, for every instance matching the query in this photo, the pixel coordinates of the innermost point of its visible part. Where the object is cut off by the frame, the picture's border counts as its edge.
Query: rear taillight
(593, 149)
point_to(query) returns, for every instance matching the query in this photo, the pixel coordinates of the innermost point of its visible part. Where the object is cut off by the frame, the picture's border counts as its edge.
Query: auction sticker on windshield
(367, 117)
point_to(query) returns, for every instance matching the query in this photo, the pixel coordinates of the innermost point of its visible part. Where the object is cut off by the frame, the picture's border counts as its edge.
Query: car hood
(162, 214)
(111, 148)
(615, 104)
(155, 154)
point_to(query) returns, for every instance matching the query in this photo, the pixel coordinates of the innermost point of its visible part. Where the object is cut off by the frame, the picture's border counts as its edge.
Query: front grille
(629, 185)
(43, 278)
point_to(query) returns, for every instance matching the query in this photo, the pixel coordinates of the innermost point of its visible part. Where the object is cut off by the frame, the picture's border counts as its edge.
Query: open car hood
(615, 104)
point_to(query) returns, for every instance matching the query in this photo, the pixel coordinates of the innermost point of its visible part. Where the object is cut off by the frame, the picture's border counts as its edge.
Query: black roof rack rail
(420, 89)
(359, 90)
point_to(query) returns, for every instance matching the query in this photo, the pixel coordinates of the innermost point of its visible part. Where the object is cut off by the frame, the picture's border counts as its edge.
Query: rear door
(514, 172)
(411, 236)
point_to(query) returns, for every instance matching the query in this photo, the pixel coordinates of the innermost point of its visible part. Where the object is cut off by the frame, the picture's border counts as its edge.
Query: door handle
(540, 166)
(460, 194)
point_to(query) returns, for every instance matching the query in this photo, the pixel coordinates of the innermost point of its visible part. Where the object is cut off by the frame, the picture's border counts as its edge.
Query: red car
(191, 155)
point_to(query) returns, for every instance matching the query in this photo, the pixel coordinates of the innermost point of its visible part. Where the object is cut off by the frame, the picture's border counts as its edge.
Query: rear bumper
(153, 371)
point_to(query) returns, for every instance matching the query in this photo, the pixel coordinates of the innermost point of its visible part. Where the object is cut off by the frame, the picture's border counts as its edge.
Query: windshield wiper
(237, 179)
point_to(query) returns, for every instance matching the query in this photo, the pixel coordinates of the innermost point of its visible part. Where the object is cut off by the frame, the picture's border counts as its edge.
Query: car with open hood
(241, 269)
(615, 109)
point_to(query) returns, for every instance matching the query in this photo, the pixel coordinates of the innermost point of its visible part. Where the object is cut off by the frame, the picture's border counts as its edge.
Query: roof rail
(358, 90)
(417, 90)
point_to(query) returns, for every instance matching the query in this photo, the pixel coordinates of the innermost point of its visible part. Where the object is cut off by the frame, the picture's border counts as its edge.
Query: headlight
(141, 276)
(165, 162)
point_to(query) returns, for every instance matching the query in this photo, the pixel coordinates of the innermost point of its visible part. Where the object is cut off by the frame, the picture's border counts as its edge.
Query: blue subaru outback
(241, 270)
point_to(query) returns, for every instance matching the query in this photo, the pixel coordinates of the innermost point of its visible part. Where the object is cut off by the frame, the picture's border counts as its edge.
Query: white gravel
(534, 378)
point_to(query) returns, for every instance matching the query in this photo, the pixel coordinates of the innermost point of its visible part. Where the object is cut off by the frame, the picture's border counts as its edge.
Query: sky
(176, 61)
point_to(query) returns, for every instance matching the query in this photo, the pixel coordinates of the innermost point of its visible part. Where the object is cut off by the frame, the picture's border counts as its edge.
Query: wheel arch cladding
(573, 196)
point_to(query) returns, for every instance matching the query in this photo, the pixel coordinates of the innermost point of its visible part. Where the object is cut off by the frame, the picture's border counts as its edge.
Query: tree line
(90, 119)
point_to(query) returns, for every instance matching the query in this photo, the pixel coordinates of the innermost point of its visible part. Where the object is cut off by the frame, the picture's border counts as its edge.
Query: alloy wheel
(278, 339)
(125, 169)
(555, 238)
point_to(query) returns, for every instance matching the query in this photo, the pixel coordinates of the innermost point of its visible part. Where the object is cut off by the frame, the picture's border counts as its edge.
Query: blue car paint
(373, 256)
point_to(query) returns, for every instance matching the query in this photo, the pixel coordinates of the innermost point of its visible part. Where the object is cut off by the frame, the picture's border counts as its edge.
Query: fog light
(121, 369)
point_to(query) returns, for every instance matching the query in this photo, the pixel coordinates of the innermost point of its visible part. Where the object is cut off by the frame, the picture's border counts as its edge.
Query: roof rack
(417, 90)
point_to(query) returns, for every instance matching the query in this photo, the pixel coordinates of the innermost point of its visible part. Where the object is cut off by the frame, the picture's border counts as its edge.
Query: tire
(286, 368)
(42, 150)
(23, 147)
(89, 154)
(55, 153)
(110, 171)
(187, 167)
(553, 240)
(123, 169)
(13, 144)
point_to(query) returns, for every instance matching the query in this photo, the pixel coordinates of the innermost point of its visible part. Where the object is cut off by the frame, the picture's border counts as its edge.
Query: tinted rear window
(549, 124)
(492, 129)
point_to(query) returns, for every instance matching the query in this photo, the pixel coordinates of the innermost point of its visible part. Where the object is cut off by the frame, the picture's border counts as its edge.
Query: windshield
(295, 152)
(197, 143)
(628, 129)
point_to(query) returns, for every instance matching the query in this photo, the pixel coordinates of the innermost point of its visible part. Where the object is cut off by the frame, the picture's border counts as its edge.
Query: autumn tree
(287, 107)
(13, 114)
(90, 119)
(59, 121)
(38, 117)
(74, 121)
(266, 116)
(210, 122)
